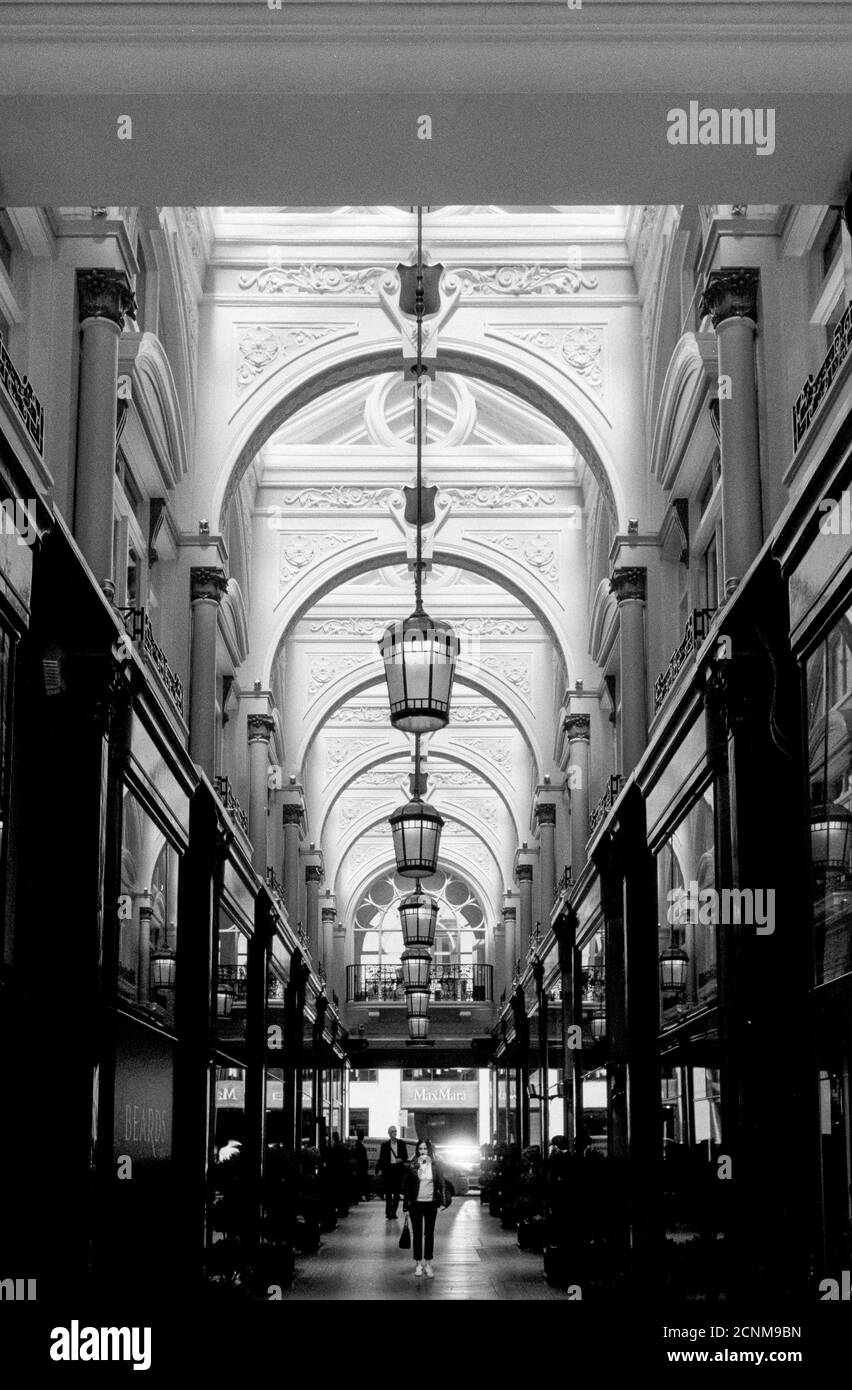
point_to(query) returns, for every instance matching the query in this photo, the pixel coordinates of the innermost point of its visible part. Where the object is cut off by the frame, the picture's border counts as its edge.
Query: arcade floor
(474, 1259)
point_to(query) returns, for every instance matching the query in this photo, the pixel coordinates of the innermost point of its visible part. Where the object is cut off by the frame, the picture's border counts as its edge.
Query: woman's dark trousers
(423, 1219)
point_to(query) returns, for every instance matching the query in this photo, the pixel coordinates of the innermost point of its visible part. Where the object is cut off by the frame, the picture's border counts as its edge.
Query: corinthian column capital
(207, 582)
(730, 294)
(260, 728)
(629, 583)
(577, 726)
(105, 294)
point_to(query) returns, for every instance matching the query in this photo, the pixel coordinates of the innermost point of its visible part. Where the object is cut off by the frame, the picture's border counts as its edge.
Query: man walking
(393, 1158)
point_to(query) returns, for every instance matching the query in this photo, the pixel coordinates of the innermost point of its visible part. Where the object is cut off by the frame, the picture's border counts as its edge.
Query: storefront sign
(144, 1082)
(230, 1095)
(432, 1095)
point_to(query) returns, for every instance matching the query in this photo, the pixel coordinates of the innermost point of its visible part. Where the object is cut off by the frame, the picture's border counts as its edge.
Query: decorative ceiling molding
(515, 670)
(495, 750)
(342, 750)
(353, 810)
(349, 498)
(303, 550)
(363, 714)
(579, 347)
(351, 627)
(325, 670)
(260, 346)
(537, 552)
(321, 279)
(487, 281)
(499, 497)
(479, 714)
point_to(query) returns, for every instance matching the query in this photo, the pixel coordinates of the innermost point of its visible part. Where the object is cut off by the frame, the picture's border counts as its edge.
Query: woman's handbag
(448, 1198)
(405, 1235)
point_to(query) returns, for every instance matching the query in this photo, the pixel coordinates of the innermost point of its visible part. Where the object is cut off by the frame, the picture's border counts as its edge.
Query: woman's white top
(426, 1190)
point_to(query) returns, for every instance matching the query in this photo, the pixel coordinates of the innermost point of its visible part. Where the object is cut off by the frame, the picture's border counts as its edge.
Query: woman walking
(425, 1190)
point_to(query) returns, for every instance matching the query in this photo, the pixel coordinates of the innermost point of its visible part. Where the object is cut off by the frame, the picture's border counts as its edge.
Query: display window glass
(147, 914)
(829, 716)
(689, 909)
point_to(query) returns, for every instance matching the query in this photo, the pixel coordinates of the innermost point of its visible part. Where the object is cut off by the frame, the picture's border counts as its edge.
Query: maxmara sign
(431, 1095)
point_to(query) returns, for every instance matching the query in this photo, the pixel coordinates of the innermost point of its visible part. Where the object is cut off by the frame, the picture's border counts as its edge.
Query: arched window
(460, 934)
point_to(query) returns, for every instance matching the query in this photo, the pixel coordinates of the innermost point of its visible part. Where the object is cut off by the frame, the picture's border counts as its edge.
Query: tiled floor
(474, 1259)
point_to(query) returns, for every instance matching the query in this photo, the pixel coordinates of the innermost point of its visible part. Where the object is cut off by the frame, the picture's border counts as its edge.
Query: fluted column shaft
(524, 875)
(577, 728)
(207, 586)
(104, 299)
(510, 930)
(731, 299)
(313, 879)
(292, 820)
(260, 727)
(628, 585)
(546, 818)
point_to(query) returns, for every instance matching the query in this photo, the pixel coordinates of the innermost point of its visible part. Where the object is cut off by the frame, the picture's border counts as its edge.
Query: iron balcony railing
(696, 630)
(275, 883)
(233, 979)
(816, 387)
(606, 802)
(229, 801)
(24, 399)
(138, 626)
(564, 886)
(449, 984)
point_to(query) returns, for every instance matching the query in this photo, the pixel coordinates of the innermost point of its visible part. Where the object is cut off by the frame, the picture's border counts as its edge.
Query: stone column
(260, 727)
(524, 879)
(207, 587)
(313, 878)
(499, 958)
(577, 732)
(545, 814)
(143, 992)
(510, 927)
(292, 813)
(730, 297)
(104, 301)
(628, 585)
(338, 958)
(328, 917)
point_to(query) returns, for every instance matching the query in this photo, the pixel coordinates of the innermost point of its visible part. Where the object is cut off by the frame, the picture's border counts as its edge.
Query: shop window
(232, 982)
(359, 1122)
(829, 701)
(7, 242)
(147, 920)
(369, 1074)
(7, 648)
(689, 909)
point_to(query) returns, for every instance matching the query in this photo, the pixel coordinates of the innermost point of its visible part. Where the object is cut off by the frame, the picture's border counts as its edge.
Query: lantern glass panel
(416, 966)
(418, 915)
(417, 1002)
(416, 830)
(163, 971)
(673, 963)
(419, 657)
(418, 1027)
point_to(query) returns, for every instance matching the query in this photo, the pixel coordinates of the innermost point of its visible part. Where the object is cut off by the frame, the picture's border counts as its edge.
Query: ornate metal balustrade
(24, 399)
(449, 984)
(275, 883)
(234, 979)
(138, 626)
(565, 884)
(229, 801)
(605, 803)
(816, 387)
(696, 630)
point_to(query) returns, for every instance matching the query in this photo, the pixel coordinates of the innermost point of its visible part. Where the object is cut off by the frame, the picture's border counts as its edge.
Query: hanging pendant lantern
(418, 1028)
(416, 967)
(597, 1025)
(831, 840)
(416, 829)
(673, 964)
(419, 657)
(418, 915)
(163, 968)
(417, 1003)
